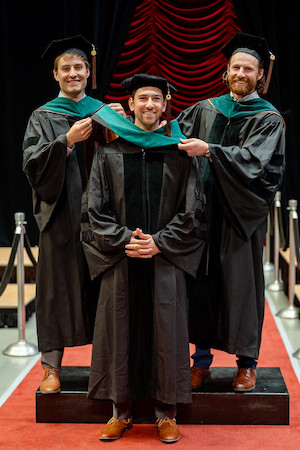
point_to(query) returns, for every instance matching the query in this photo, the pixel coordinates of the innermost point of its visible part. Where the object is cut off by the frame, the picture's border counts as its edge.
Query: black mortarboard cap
(139, 80)
(254, 45)
(247, 43)
(74, 44)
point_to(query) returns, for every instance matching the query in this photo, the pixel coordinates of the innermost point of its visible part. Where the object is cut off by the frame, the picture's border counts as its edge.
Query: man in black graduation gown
(145, 202)
(57, 144)
(242, 139)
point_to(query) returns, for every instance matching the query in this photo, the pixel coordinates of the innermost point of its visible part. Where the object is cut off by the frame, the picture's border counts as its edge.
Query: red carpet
(18, 429)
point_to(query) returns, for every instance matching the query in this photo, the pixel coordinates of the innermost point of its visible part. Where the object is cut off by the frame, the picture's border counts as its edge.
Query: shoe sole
(114, 438)
(244, 390)
(50, 392)
(169, 441)
(110, 438)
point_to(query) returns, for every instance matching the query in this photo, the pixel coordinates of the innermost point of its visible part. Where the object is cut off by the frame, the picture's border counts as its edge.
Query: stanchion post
(20, 221)
(22, 347)
(277, 284)
(268, 266)
(291, 312)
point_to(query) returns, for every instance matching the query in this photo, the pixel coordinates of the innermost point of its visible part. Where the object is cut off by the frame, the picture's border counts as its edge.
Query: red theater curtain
(180, 40)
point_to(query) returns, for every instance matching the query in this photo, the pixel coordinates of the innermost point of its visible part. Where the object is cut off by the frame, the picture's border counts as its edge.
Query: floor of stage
(13, 369)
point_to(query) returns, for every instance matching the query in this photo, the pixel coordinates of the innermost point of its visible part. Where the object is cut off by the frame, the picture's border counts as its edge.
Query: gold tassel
(168, 126)
(268, 79)
(94, 77)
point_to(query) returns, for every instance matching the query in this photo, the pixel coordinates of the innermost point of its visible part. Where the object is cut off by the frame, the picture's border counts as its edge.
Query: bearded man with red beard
(240, 139)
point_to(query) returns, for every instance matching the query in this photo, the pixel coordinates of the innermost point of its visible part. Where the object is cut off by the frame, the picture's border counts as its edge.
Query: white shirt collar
(246, 98)
(60, 94)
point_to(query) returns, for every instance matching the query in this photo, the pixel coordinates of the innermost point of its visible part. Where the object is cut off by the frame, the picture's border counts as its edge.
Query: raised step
(284, 260)
(216, 403)
(9, 304)
(297, 291)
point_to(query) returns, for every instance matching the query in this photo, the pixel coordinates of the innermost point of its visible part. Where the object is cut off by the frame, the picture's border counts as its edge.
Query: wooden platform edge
(9, 298)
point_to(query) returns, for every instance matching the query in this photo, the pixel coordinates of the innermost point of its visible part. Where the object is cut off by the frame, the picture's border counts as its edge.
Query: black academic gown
(64, 293)
(140, 344)
(240, 181)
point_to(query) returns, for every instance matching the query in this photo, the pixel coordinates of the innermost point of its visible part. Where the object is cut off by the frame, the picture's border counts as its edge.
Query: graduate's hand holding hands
(141, 245)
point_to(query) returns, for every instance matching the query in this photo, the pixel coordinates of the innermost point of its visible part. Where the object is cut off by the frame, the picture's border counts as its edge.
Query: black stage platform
(215, 403)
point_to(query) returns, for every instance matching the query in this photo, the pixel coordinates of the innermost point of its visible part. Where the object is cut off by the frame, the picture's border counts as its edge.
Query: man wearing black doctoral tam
(242, 139)
(146, 207)
(58, 145)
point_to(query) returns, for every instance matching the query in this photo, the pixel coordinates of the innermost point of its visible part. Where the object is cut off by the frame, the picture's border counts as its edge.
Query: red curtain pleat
(179, 40)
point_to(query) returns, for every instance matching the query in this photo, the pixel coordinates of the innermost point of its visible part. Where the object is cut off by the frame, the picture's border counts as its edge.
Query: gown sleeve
(182, 240)
(110, 237)
(44, 157)
(44, 163)
(248, 176)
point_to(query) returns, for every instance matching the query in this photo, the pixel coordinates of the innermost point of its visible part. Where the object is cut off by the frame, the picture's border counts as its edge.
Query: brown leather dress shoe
(244, 380)
(115, 428)
(197, 376)
(50, 383)
(168, 430)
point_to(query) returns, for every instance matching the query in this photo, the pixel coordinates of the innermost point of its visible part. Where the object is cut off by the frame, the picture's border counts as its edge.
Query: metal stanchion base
(276, 286)
(21, 348)
(268, 267)
(296, 354)
(292, 312)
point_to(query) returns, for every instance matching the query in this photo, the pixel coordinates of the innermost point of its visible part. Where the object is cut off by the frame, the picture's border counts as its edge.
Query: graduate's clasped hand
(141, 245)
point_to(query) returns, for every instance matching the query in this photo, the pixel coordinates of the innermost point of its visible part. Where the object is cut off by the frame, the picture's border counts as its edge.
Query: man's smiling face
(148, 104)
(72, 74)
(243, 74)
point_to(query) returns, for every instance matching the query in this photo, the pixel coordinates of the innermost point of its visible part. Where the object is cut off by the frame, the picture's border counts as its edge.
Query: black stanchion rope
(296, 236)
(10, 266)
(282, 237)
(28, 250)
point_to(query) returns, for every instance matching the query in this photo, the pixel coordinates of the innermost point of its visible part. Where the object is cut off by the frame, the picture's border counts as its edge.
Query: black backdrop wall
(27, 83)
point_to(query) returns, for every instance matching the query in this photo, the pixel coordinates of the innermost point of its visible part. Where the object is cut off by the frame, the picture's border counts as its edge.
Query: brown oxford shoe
(50, 383)
(168, 430)
(114, 429)
(197, 376)
(244, 380)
